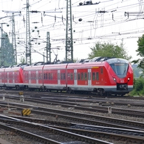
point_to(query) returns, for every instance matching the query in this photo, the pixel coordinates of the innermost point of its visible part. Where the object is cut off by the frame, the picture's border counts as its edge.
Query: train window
(49, 76)
(78, 76)
(61, 76)
(46, 75)
(39, 76)
(97, 76)
(93, 76)
(82, 77)
(71, 76)
(101, 70)
(64, 76)
(85, 76)
(68, 76)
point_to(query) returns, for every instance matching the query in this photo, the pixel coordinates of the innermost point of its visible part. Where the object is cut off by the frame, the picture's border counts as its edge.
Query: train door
(7, 77)
(40, 77)
(95, 76)
(26, 77)
(63, 77)
(82, 76)
(102, 78)
(33, 77)
(70, 77)
(10, 77)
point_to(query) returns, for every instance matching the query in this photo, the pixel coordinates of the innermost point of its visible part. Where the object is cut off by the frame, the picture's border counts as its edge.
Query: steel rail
(88, 108)
(91, 130)
(99, 120)
(58, 131)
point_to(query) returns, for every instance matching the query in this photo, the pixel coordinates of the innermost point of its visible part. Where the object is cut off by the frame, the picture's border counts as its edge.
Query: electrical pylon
(69, 32)
(48, 48)
(1, 48)
(28, 42)
(14, 41)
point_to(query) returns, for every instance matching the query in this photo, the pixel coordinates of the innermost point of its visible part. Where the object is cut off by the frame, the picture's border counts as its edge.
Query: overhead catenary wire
(86, 16)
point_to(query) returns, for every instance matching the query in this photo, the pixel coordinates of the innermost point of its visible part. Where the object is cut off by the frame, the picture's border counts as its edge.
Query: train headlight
(114, 79)
(128, 79)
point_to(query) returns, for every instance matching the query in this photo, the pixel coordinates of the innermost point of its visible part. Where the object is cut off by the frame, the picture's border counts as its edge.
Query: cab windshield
(120, 68)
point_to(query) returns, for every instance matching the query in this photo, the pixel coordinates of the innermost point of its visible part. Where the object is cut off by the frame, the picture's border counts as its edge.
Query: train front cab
(121, 75)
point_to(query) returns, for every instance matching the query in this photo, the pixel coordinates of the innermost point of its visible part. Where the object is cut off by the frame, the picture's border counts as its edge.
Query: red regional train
(103, 76)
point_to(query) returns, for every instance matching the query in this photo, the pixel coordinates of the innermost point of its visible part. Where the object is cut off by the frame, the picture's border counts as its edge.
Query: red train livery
(112, 75)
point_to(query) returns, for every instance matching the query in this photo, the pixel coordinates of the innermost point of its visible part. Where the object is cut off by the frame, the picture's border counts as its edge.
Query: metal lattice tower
(14, 41)
(1, 49)
(69, 32)
(48, 48)
(28, 43)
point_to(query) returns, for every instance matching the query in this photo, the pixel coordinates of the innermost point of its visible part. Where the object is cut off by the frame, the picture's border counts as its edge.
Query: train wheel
(17, 88)
(101, 92)
(69, 91)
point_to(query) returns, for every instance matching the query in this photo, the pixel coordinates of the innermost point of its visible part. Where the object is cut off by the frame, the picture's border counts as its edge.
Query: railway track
(24, 127)
(109, 101)
(132, 136)
(117, 129)
(84, 126)
(79, 117)
(64, 95)
(121, 111)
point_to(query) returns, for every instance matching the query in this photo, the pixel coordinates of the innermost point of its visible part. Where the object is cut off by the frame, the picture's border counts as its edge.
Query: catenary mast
(69, 32)
(14, 41)
(28, 43)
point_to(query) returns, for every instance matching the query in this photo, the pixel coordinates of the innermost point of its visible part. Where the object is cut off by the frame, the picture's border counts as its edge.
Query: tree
(22, 60)
(7, 57)
(140, 52)
(108, 50)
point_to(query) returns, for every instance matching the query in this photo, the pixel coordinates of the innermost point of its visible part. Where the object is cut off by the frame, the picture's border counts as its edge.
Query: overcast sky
(122, 20)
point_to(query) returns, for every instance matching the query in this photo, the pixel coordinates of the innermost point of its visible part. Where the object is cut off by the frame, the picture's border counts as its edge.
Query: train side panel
(86, 76)
(33, 76)
(55, 76)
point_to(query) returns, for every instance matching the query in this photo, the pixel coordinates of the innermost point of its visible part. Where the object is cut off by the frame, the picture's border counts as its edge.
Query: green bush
(138, 87)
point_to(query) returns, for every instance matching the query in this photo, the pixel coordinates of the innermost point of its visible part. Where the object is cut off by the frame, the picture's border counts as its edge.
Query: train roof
(12, 69)
(117, 60)
(98, 61)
